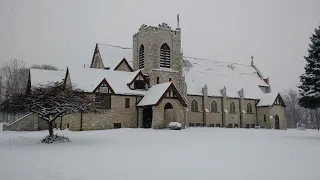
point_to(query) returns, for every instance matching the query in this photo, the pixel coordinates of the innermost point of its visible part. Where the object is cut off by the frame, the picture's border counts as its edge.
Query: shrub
(55, 139)
(175, 126)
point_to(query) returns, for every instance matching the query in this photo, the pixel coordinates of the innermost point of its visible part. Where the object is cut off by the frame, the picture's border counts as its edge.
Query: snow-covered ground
(138, 154)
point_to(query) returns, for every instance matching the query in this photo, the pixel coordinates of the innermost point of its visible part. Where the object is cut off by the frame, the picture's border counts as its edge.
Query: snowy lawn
(139, 154)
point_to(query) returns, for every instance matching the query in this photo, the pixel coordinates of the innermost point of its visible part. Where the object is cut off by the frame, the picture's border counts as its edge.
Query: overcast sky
(64, 32)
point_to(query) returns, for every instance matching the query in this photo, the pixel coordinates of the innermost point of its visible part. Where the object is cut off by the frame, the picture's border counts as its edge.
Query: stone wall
(249, 118)
(232, 118)
(261, 112)
(123, 67)
(106, 118)
(26, 123)
(97, 62)
(213, 119)
(194, 117)
(278, 110)
(158, 119)
(152, 38)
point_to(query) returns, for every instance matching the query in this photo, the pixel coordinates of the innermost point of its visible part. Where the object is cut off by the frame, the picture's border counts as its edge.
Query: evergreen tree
(310, 80)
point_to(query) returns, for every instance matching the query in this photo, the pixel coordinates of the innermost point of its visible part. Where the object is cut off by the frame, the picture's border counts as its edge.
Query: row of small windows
(214, 107)
(165, 56)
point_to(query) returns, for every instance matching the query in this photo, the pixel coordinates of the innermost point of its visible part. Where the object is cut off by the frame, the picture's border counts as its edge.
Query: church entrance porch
(147, 117)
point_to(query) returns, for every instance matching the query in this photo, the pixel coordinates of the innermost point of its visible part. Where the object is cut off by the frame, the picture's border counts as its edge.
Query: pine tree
(310, 80)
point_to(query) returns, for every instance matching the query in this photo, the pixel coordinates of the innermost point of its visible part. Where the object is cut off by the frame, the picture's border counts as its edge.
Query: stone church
(153, 84)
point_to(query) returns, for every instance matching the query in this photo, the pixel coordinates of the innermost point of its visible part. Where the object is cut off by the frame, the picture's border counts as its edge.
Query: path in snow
(138, 154)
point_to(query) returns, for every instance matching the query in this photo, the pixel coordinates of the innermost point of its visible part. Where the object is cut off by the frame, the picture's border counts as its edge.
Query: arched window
(194, 106)
(214, 107)
(264, 118)
(249, 108)
(165, 57)
(168, 106)
(232, 108)
(141, 57)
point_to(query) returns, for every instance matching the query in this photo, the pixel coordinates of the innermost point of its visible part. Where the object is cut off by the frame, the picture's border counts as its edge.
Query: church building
(152, 84)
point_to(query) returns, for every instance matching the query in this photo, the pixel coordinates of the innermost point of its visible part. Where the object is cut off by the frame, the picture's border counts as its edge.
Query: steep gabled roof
(42, 77)
(88, 79)
(125, 62)
(157, 92)
(112, 56)
(218, 74)
(269, 99)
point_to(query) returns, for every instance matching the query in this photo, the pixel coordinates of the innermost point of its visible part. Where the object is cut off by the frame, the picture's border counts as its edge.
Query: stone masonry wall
(152, 38)
(261, 112)
(232, 118)
(249, 118)
(214, 118)
(278, 110)
(107, 117)
(123, 67)
(28, 123)
(194, 117)
(159, 122)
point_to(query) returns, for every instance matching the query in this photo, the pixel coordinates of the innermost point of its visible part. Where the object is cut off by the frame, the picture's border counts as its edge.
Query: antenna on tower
(178, 20)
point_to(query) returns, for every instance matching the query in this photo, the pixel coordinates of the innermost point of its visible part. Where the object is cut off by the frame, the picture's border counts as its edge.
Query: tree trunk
(50, 126)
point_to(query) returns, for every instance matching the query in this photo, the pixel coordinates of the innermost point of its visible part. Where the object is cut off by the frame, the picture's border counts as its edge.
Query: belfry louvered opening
(165, 58)
(141, 57)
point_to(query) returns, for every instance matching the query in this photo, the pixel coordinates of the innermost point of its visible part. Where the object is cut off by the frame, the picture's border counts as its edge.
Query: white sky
(64, 32)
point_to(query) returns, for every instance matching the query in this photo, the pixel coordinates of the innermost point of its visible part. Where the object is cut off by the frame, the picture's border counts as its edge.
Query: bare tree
(45, 67)
(14, 77)
(50, 102)
(294, 112)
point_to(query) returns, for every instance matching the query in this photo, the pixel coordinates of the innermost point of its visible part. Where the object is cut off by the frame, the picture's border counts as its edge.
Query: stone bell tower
(157, 51)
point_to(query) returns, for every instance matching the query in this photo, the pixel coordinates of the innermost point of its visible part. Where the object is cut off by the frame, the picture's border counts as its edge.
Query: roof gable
(271, 99)
(158, 92)
(112, 56)
(123, 62)
(104, 87)
(88, 79)
(137, 76)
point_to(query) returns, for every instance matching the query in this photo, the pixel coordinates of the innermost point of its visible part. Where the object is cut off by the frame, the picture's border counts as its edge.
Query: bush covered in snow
(175, 126)
(55, 139)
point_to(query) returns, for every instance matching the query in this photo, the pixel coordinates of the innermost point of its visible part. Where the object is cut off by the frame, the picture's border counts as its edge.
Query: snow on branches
(310, 80)
(49, 102)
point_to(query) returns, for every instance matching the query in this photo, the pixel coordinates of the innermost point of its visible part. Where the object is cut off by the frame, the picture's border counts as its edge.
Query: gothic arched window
(194, 106)
(214, 107)
(249, 108)
(165, 57)
(141, 57)
(232, 108)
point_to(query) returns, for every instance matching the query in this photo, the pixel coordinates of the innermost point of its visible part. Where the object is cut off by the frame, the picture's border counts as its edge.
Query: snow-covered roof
(42, 77)
(267, 99)
(154, 94)
(112, 56)
(88, 79)
(216, 75)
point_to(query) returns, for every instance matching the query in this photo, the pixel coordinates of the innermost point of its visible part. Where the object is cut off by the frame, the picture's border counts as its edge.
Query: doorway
(276, 121)
(169, 115)
(147, 117)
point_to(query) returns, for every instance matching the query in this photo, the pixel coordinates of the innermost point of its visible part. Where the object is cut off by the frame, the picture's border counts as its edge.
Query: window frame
(165, 56)
(249, 108)
(127, 103)
(232, 107)
(214, 107)
(194, 106)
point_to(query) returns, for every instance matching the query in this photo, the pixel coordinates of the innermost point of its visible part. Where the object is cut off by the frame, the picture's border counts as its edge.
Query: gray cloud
(62, 32)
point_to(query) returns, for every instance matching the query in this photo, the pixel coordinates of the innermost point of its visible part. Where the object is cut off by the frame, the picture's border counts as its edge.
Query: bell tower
(157, 51)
